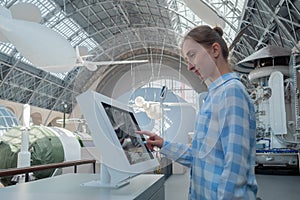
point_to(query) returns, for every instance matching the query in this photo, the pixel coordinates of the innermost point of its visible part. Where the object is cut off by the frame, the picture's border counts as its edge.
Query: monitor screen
(125, 126)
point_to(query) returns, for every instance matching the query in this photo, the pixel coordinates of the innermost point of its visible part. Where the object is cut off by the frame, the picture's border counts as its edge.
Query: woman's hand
(153, 139)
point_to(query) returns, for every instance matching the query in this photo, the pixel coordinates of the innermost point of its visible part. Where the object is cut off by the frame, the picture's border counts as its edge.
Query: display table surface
(68, 187)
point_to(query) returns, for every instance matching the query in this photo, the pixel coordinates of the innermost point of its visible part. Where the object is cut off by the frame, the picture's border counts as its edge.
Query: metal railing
(27, 170)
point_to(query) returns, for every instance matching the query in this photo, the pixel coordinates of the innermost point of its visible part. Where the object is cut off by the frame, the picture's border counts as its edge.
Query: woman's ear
(216, 50)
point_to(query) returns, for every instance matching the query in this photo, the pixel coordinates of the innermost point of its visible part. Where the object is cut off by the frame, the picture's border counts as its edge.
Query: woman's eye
(192, 55)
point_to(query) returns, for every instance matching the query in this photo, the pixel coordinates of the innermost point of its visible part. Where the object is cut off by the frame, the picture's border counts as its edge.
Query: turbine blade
(117, 62)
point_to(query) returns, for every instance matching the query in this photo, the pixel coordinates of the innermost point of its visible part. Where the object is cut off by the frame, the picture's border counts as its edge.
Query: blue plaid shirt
(222, 154)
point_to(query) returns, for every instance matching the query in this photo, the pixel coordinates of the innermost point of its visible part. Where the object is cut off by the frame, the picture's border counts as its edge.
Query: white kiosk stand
(113, 127)
(109, 178)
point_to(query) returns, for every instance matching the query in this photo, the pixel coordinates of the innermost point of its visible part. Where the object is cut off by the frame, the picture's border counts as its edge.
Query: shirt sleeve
(180, 153)
(236, 144)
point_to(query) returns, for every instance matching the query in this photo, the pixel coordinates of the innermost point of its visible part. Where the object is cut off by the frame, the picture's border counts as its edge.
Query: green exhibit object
(45, 147)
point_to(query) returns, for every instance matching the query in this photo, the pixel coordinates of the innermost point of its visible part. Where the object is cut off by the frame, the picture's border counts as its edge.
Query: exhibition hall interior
(79, 78)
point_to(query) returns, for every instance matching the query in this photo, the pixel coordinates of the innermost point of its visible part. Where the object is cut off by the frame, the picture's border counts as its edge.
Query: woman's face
(199, 59)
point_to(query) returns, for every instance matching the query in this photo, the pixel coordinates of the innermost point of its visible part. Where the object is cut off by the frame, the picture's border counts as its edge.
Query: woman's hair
(206, 36)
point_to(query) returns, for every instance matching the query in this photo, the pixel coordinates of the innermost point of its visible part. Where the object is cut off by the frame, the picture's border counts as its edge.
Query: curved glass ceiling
(182, 20)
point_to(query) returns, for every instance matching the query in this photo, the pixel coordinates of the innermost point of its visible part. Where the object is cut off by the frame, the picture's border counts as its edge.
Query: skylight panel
(230, 10)
(89, 43)
(6, 48)
(73, 25)
(18, 56)
(183, 18)
(24, 60)
(67, 27)
(64, 29)
(80, 36)
(54, 19)
(59, 75)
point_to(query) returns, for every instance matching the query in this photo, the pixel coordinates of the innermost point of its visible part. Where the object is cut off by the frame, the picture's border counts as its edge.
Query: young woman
(222, 154)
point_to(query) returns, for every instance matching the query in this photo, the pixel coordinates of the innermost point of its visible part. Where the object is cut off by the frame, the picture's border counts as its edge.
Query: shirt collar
(221, 80)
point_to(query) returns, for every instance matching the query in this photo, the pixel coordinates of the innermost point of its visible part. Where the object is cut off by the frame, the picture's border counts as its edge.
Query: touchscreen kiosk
(113, 126)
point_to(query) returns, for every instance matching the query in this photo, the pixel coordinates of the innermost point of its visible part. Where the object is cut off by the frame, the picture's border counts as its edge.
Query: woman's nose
(190, 66)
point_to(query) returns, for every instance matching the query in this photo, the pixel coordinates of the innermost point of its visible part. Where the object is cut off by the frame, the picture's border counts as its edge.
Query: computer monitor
(113, 126)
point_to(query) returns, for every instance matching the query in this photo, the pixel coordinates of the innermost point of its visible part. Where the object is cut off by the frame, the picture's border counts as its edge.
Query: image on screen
(125, 127)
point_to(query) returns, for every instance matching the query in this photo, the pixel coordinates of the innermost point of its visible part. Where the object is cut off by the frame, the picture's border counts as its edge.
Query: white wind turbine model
(42, 46)
(81, 53)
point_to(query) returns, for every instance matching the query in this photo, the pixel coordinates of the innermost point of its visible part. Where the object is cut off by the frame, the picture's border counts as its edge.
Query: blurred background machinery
(273, 86)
